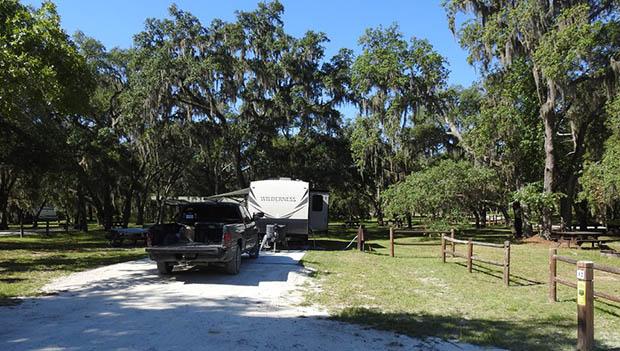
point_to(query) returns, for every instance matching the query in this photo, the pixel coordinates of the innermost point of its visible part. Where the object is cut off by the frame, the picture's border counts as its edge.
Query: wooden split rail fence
(585, 294)
(430, 233)
(470, 257)
(554, 279)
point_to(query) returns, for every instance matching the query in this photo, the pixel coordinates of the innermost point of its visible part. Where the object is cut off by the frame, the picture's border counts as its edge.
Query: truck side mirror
(258, 215)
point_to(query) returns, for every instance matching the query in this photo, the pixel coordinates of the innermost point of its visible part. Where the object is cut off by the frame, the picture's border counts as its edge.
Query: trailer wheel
(255, 251)
(232, 267)
(165, 268)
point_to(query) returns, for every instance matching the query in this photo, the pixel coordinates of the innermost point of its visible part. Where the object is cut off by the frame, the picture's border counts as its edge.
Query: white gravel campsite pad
(128, 306)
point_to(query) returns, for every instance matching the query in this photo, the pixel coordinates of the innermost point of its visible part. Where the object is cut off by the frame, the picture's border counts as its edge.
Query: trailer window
(317, 203)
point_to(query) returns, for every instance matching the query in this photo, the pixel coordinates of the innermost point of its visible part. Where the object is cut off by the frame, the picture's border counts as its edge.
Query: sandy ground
(128, 306)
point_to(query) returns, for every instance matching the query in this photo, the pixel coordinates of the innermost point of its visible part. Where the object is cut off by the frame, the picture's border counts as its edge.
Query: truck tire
(232, 267)
(255, 251)
(164, 268)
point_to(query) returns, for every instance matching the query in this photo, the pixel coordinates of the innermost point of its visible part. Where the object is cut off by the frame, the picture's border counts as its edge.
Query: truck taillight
(227, 238)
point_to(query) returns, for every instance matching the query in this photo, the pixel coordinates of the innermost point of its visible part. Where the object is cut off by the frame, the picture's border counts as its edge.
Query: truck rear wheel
(232, 267)
(165, 268)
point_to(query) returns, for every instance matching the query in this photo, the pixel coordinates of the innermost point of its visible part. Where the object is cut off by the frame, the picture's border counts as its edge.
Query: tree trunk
(505, 214)
(81, 222)
(548, 116)
(140, 203)
(238, 169)
(582, 211)
(108, 209)
(160, 210)
(567, 202)
(4, 209)
(477, 217)
(518, 222)
(35, 218)
(7, 181)
(483, 217)
(574, 169)
(4, 221)
(378, 211)
(127, 208)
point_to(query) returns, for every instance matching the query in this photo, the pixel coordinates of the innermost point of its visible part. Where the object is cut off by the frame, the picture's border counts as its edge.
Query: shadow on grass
(515, 280)
(55, 242)
(545, 334)
(610, 308)
(494, 236)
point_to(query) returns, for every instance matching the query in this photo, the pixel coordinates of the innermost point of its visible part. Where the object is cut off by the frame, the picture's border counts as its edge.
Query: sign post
(585, 306)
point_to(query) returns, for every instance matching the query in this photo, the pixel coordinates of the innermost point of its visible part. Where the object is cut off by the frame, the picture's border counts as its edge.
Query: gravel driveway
(128, 306)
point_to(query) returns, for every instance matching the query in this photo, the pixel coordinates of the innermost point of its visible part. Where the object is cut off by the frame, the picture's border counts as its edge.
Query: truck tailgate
(199, 248)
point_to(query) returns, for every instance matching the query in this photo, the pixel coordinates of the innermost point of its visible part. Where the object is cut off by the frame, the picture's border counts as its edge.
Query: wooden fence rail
(470, 257)
(554, 279)
(422, 232)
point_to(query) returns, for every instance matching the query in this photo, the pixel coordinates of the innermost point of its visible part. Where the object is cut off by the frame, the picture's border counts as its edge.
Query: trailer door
(318, 214)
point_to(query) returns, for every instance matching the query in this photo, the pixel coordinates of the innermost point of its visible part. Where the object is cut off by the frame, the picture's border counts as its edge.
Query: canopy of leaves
(450, 189)
(601, 179)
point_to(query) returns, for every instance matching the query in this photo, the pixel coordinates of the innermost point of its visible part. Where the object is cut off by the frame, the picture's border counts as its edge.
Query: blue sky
(114, 22)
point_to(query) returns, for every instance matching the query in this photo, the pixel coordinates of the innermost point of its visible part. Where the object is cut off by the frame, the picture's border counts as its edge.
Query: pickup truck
(205, 233)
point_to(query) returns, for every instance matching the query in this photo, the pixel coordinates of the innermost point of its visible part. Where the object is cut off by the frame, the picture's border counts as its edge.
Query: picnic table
(116, 236)
(581, 237)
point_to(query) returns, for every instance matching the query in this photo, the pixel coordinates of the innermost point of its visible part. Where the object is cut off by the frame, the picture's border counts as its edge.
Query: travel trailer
(285, 201)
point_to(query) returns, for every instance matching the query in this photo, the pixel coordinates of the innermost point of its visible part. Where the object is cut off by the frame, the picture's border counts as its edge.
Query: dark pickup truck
(205, 233)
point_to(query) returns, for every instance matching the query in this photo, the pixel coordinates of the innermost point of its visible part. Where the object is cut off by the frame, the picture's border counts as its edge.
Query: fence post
(453, 244)
(443, 248)
(553, 285)
(392, 241)
(362, 239)
(470, 253)
(507, 262)
(359, 238)
(585, 306)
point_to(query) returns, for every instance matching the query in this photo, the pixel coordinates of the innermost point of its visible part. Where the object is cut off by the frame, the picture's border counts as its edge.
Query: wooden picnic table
(117, 235)
(581, 237)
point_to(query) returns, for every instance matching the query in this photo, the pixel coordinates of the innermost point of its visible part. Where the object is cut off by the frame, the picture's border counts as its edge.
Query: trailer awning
(233, 194)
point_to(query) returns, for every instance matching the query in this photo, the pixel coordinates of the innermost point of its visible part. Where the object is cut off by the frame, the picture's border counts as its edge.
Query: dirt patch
(128, 306)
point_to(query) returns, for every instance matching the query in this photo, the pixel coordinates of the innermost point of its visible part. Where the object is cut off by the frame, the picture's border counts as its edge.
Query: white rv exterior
(289, 202)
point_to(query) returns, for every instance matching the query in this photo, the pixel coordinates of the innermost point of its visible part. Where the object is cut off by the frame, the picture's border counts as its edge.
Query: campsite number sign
(581, 274)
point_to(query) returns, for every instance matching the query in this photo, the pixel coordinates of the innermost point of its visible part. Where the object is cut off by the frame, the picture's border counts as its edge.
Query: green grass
(26, 264)
(414, 293)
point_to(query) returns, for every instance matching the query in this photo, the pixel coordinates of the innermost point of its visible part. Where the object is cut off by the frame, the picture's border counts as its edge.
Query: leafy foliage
(601, 179)
(397, 85)
(450, 189)
(536, 201)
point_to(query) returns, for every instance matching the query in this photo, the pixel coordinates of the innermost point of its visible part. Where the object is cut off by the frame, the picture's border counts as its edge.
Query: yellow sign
(581, 293)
